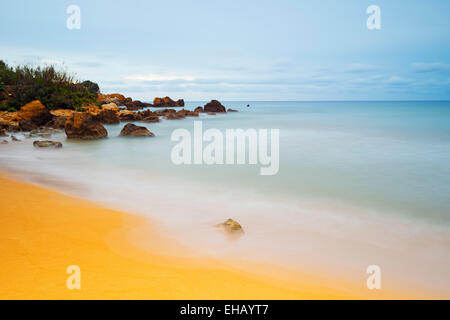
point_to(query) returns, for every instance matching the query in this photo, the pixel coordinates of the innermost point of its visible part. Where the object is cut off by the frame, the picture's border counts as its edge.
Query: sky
(239, 50)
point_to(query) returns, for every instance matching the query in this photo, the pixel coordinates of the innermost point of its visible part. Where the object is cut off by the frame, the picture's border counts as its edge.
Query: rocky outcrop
(214, 106)
(137, 105)
(231, 226)
(115, 98)
(151, 118)
(164, 112)
(110, 106)
(35, 112)
(47, 144)
(83, 126)
(132, 130)
(126, 115)
(198, 109)
(167, 102)
(108, 116)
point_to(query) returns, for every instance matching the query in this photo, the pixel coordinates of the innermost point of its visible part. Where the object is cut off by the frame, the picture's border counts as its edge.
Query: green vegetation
(55, 89)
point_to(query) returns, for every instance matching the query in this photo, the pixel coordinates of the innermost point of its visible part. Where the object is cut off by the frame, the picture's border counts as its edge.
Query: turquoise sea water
(392, 157)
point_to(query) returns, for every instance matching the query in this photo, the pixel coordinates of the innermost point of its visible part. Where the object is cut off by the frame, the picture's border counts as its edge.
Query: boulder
(108, 116)
(167, 102)
(192, 114)
(132, 130)
(231, 226)
(116, 98)
(164, 112)
(174, 116)
(36, 112)
(126, 115)
(82, 125)
(214, 106)
(152, 118)
(47, 144)
(58, 122)
(198, 109)
(110, 106)
(231, 110)
(3, 133)
(27, 125)
(13, 138)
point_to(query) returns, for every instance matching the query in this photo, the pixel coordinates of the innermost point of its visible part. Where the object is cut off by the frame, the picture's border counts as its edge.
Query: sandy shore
(43, 232)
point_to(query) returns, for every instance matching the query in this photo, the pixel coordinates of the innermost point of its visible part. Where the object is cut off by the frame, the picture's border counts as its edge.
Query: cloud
(435, 67)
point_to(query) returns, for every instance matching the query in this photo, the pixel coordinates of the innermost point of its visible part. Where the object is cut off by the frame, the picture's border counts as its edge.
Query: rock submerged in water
(214, 106)
(231, 226)
(132, 130)
(83, 126)
(47, 144)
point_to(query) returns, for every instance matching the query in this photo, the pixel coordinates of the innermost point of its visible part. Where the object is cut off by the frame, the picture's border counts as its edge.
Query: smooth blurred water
(392, 157)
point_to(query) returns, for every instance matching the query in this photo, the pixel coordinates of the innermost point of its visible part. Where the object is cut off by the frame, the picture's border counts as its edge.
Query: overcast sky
(239, 50)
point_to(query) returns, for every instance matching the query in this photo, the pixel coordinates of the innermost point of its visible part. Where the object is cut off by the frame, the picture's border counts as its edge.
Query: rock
(62, 113)
(3, 133)
(231, 110)
(231, 226)
(126, 115)
(174, 116)
(4, 141)
(198, 109)
(47, 144)
(108, 116)
(27, 125)
(110, 106)
(153, 118)
(214, 106)
(164, 112)
(58, 122)
(13, 138)
(167, 102)
(192, 114)
(82, 125)
(116, 98)
(36, 112)
(132, 130)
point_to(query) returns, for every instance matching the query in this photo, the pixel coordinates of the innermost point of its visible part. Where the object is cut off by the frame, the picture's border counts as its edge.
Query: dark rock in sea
(231, 110)
(174, 116)
(192, 114)
(35, 112)
(83, 126)
(163, 112)
(27, 125)
(152, 118)
(167, 102)
(108, 117)
(214, 106)
(132, 130)
(47, 144)
(198, 109)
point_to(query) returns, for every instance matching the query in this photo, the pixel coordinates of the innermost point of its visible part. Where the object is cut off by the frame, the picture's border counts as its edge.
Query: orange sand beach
(43, 232)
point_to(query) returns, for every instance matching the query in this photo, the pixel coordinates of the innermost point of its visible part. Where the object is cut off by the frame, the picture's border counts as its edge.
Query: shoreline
(39, 242)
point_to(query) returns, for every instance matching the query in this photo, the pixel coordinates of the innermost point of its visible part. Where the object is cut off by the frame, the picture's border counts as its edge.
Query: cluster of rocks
(35, 118)
(133, 105)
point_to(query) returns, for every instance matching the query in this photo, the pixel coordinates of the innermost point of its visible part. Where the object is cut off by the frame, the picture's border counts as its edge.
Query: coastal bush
(56, 89)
